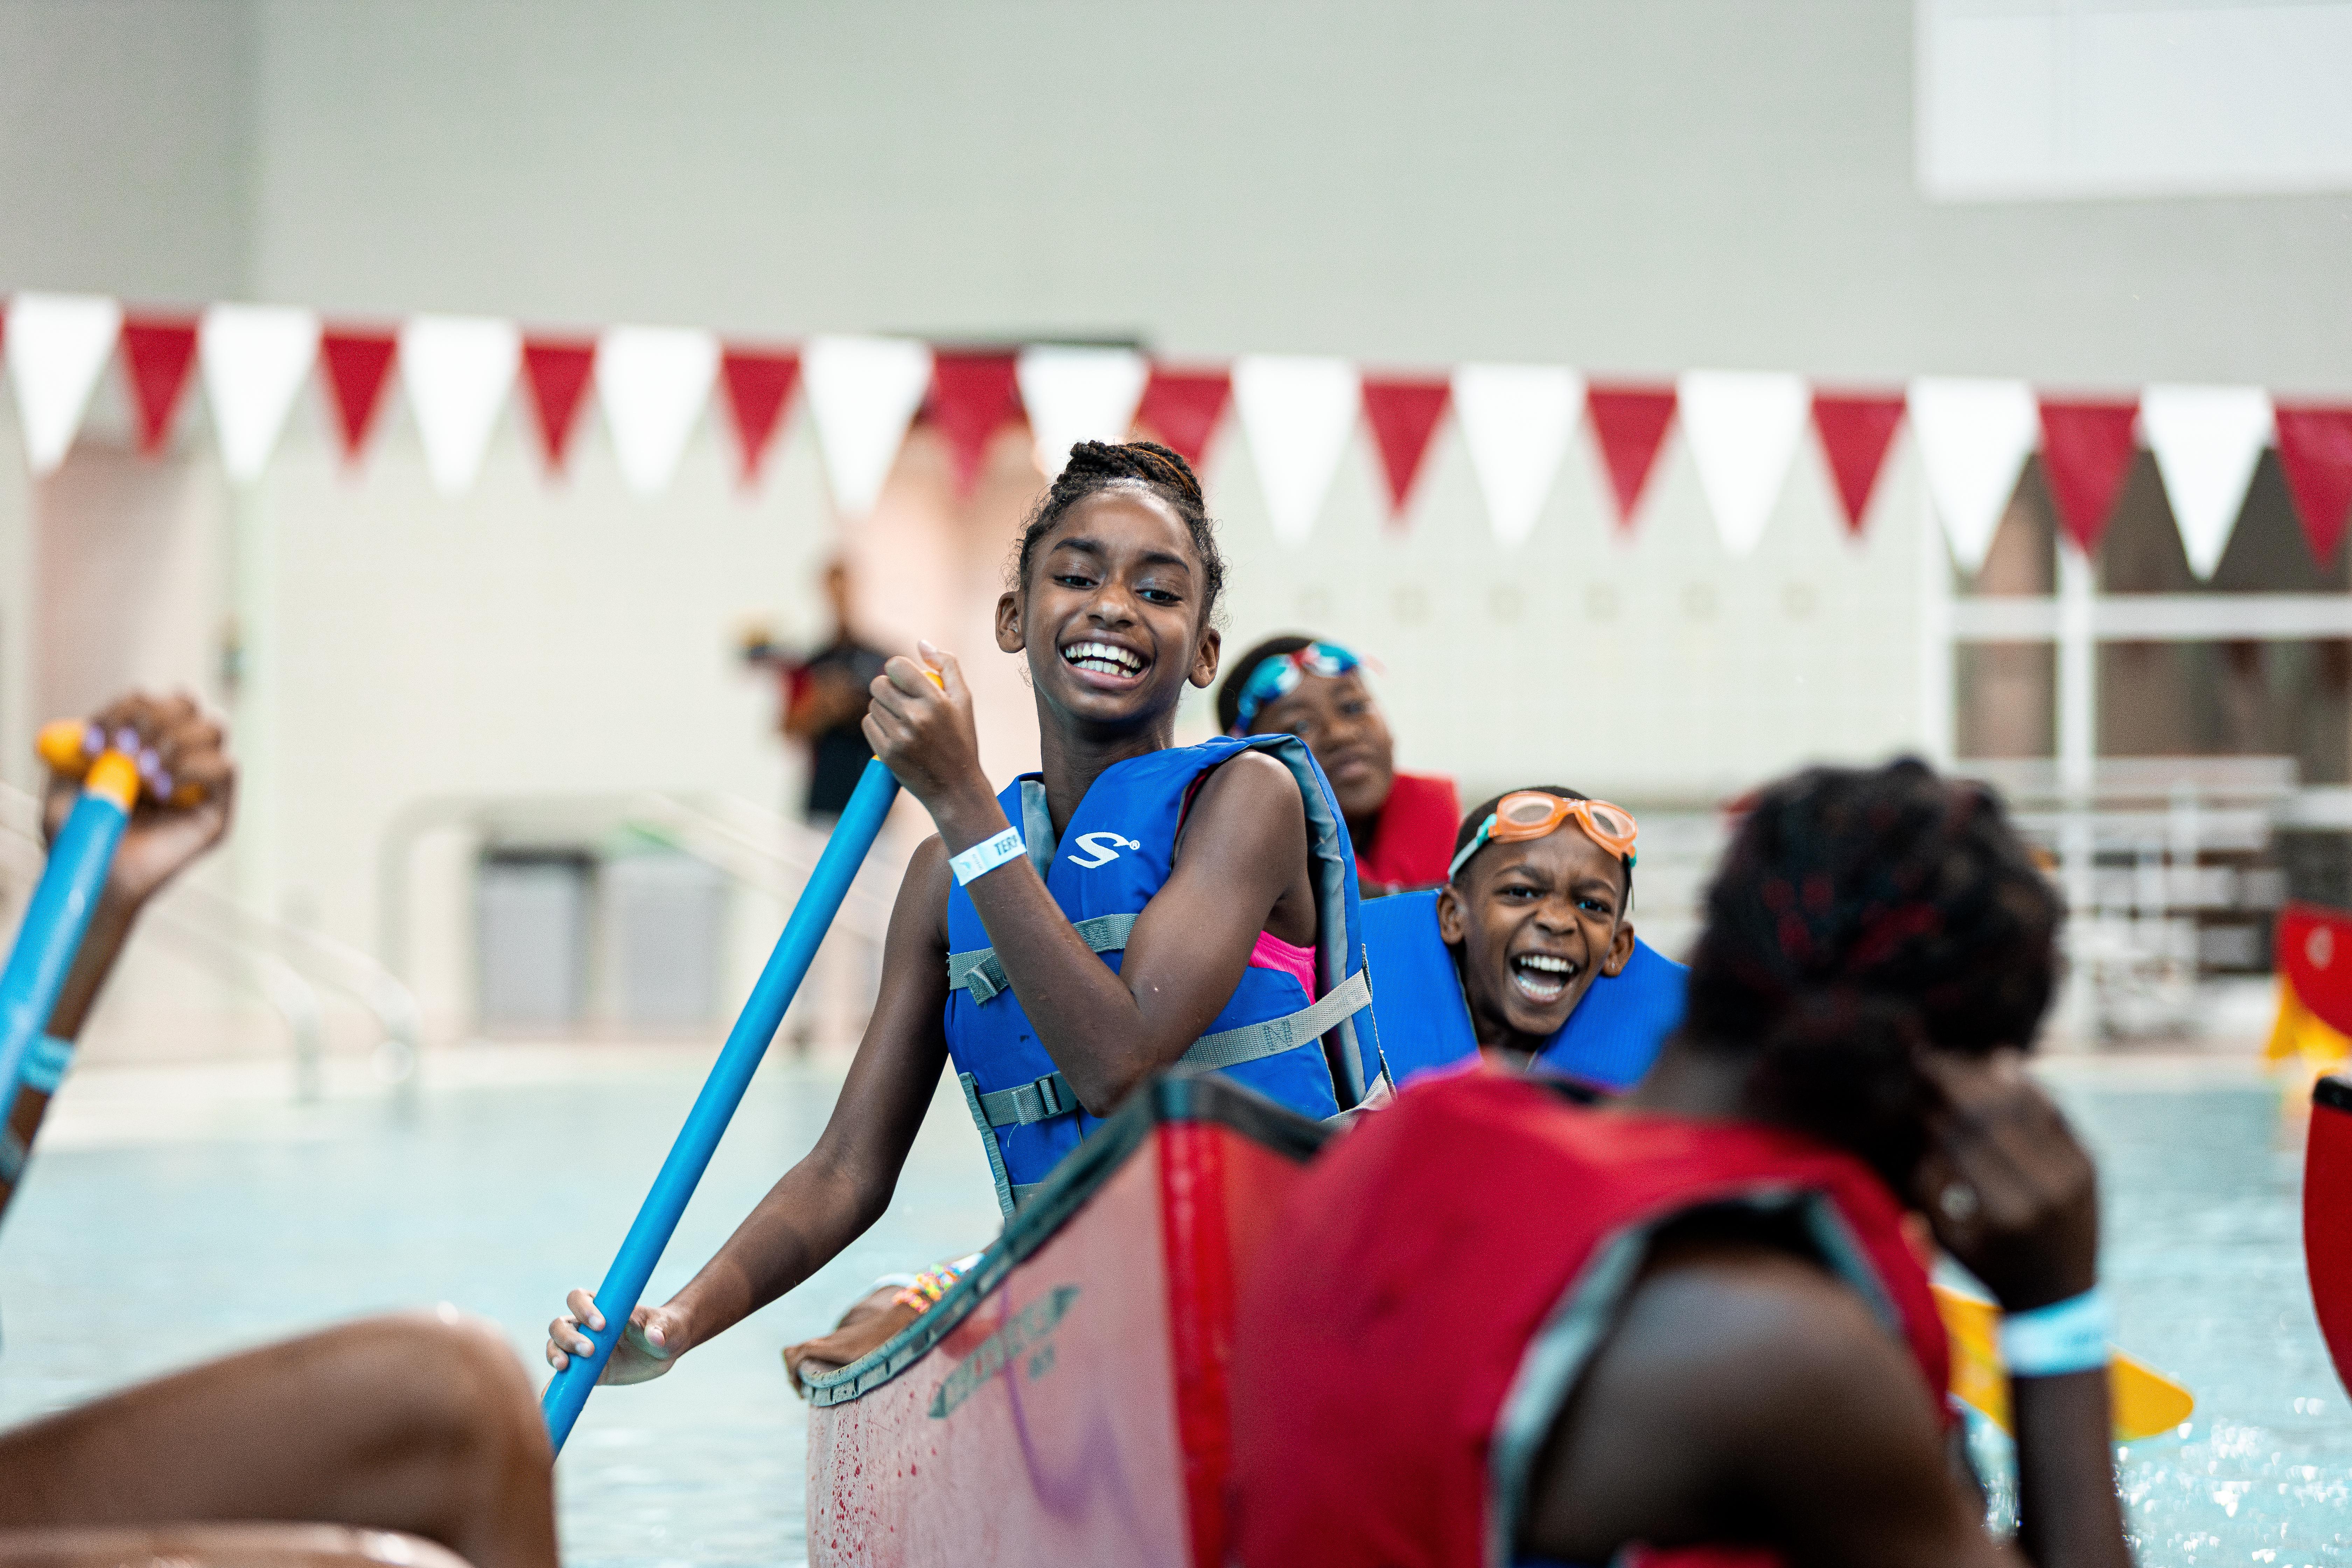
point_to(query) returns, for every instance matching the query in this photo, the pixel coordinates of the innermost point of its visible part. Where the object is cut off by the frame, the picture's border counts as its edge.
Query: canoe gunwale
(1181, 1096)
(2332, 1092)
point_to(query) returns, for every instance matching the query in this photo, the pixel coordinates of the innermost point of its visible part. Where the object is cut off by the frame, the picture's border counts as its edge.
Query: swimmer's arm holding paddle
(1745, 1395)
(1119, 568)
(158, 842)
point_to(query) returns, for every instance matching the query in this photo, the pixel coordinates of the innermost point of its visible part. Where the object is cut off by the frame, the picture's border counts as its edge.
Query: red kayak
(1066, 1401)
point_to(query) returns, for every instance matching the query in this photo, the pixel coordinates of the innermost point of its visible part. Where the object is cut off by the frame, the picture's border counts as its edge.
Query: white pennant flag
(1076, 395)
(1300, 413)
(457, 370)
(253, 359)
(57, 344)
(1516, 420)
(1974, 436)
(863, 394)
(1743, 427)
(652, 382)
(2207, 440)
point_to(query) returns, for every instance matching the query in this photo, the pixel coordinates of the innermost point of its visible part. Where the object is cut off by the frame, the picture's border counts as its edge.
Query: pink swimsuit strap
(1270, 951)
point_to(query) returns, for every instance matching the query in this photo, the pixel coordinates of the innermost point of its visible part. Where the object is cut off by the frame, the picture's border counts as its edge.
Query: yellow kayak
(2148, 1404)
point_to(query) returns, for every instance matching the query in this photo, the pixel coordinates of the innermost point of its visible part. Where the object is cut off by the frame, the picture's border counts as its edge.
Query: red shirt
(1423, 1309)
(1413, 839)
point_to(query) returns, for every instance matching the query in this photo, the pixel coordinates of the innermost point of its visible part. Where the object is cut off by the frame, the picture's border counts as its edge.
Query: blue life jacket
(1113, 856)
(1423, 1021)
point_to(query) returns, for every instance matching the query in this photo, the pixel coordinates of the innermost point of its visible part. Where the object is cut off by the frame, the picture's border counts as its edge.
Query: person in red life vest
(1527, 957)
(1694, 1326)
(303, 1453)
(1132, 904)
(1403, 824)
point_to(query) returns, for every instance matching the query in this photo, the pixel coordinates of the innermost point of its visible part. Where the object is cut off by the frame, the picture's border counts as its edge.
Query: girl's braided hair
(1859, 915)
(1098, 466)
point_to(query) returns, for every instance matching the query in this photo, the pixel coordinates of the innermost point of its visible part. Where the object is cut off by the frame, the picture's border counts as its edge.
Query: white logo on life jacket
(1103, 849)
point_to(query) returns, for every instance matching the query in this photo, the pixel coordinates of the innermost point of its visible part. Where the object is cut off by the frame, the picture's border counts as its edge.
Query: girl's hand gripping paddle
(64, 899)
(738, 1058)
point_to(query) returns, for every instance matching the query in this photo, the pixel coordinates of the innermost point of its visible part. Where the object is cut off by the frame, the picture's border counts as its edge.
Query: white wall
(1627, 187)
(1634, 186)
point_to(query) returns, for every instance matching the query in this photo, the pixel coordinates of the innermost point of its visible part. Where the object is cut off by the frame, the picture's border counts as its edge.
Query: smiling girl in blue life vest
(1129, 906)
(1526, 955)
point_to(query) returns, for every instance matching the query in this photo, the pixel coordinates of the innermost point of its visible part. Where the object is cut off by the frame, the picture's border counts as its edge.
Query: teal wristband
(2062, 1337)
(986, 856)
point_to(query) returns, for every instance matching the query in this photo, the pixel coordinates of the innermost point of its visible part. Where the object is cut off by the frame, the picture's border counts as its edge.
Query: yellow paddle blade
(2299, 1034)
(2146, 1402)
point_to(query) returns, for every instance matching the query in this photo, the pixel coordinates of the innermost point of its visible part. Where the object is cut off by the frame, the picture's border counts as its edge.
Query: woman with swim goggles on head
(1527, 957)
(1403, 824)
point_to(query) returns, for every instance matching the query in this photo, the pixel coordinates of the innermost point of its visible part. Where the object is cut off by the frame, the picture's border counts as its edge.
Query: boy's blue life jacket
(1113, 856)
(1423, 1021)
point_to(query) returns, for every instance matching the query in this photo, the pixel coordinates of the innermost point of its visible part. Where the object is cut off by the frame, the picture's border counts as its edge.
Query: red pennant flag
(1182, 408)
(359, 367)
(2086, 451)
(557, 371)
(1630, 422)
(972, 397)
(2314, 448)
(1403, 414)
(160, 351)
(759, 388)
(1856, 429)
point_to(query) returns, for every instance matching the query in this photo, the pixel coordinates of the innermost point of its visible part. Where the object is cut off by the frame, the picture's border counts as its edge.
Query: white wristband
(986, 856)
(2064, 1337)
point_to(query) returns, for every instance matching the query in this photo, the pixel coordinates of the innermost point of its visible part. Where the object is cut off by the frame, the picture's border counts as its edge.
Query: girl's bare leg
(408, 1424)
(221, 1546)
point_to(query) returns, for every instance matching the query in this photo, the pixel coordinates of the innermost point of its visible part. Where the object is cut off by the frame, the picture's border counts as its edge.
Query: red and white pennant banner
(651, 387)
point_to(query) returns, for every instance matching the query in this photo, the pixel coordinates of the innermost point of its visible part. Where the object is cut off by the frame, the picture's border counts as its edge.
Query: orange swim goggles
(1532, 814)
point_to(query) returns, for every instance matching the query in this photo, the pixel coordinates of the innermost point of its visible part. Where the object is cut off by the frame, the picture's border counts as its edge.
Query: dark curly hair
(1859, 914)
(1098, 466)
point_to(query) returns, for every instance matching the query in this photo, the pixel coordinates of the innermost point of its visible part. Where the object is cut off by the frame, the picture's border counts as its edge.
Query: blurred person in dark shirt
(825, 697)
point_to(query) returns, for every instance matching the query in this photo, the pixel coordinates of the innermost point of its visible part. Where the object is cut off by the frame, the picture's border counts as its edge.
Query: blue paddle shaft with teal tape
(52, 931)
(738, 1058)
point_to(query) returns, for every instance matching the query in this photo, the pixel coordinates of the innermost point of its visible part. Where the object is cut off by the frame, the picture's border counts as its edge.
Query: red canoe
(1065, 1401)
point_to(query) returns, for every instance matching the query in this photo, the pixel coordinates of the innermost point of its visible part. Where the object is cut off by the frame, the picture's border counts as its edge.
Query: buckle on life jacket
(1038, 1100)
(977, 971)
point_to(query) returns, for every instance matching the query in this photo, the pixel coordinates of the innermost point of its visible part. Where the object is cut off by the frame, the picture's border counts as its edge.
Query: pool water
(120, 1260)
(129, 1255)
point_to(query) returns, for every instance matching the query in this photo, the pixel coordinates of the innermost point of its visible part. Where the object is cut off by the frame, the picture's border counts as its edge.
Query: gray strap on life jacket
(1037, 826)
(971, 1087)
(1251, 1042)
(978, 972)
(1040, 1100)
(1044, 1099)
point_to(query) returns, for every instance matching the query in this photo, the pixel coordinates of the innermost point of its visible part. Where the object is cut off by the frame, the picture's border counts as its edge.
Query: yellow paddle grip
(64, 748)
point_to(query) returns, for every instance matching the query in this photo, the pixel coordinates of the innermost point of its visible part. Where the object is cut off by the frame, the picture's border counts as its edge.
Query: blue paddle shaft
(738, 1058)
(52, 931)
